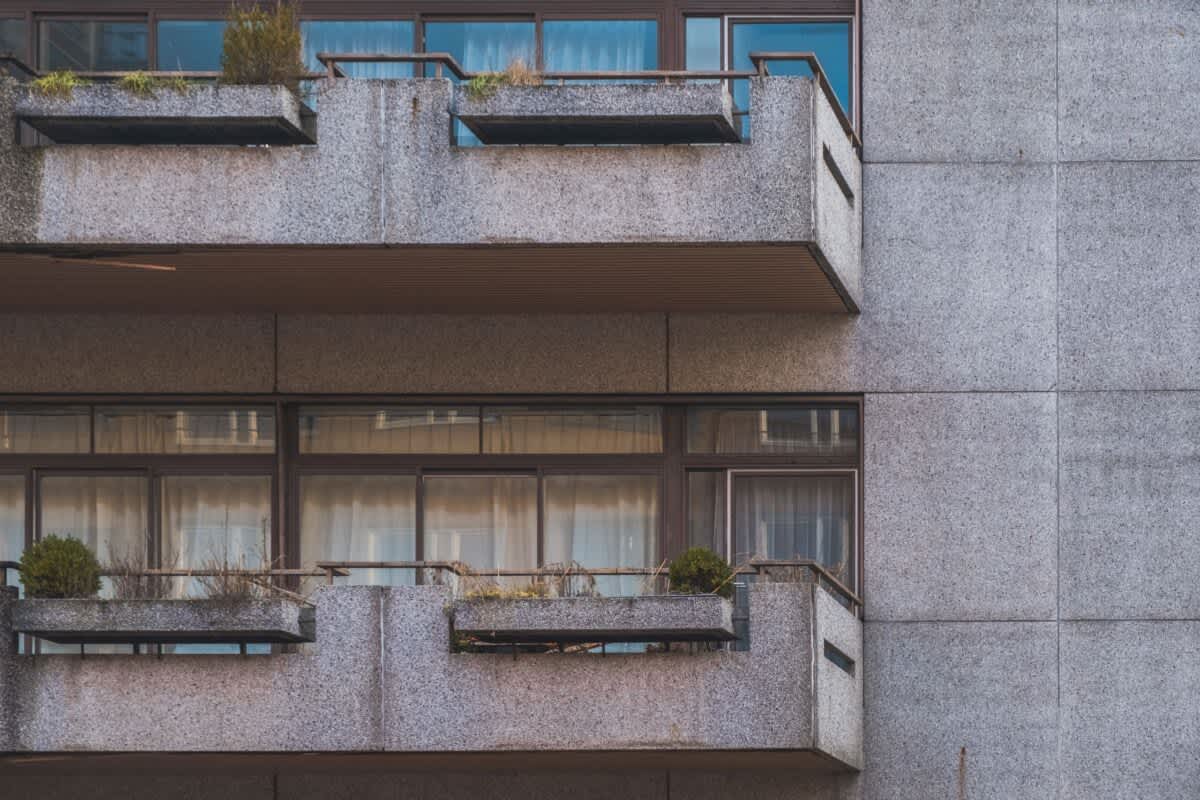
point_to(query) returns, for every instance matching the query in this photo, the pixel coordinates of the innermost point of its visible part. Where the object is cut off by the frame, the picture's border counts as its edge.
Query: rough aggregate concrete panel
(960, 81)
(960, 506)
(1129, 79)
(20, 173)
(136, 353)
(839, 715)
(475, 354)
(1130, 498)
(1130, 723)
(1129, 301)
(935, 688)
(958, 295)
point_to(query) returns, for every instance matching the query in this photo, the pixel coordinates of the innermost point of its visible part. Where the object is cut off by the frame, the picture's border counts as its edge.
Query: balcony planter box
(94, 621)
(229, 115)
(601, 114)
(673, 618)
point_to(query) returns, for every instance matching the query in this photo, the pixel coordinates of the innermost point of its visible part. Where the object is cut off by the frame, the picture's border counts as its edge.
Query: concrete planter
(230, 115)
(601, 114)
(93, 621)
(676, 618)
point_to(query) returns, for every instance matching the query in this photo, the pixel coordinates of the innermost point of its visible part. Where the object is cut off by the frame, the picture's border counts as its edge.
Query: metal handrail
(760, 59)
(11, 58)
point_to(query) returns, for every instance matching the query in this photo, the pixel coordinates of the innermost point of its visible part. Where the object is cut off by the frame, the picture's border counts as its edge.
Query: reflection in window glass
(388, 429)
(807, 431)
(706, 510)
(215, 520)
(190, 44)
(618, 45)
(703, 43)
(603, 521)
(830, 41)
(488, 522)
(482, 46)
(191, 429)
(794, 517)
(45, 430)
(12, 521)
(359, 518)
(92, 45)
(12, 38)
(359, 36)
(572, 430)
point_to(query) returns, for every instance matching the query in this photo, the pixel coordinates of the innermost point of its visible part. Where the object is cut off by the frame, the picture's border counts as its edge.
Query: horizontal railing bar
(760, 58)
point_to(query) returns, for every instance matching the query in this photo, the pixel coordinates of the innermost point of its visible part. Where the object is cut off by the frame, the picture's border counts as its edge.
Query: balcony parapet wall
(385, 172)
(382, 676)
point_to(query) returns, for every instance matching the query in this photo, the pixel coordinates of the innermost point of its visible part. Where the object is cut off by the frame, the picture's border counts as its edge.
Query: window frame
(35, 50)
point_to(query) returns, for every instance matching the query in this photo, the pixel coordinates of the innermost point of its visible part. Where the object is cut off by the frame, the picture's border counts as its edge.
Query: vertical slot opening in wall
(838, 177)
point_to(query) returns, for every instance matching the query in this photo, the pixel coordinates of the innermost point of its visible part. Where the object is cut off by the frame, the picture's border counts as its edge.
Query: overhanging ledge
(497, 278)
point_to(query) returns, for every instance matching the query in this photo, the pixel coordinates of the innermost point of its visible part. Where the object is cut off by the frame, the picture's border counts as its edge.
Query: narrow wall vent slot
(839, 659)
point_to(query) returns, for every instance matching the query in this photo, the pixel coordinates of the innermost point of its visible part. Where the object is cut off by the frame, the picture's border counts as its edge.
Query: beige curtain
(489, 522)
(195, 429)
(62, 430)
(583, 430)
(389, 430)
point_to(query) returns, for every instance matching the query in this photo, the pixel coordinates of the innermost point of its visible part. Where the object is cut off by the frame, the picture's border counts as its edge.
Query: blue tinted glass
(829, 40)
(12, 37)
(615, 45)
(190, 44)
(84, 45)
(359, 36)
(703, 43)
(481, 47)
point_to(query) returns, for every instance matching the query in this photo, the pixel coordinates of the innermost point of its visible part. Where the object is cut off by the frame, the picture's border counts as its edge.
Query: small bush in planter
(57, 567)
(701, 571)
(263, 46)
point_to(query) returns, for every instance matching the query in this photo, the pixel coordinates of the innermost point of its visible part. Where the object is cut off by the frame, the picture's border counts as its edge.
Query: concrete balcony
(385, 213)
(382, 676)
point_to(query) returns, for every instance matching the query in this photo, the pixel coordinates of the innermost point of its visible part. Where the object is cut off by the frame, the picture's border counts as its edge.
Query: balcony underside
(167, 130)
(432, 279)
(564, 130)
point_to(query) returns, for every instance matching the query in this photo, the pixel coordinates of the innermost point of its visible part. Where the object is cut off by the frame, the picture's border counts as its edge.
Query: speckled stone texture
(1118, 61)
(108, 113)
(960, 81)
(961, 494)
(8, 665)
(838, 711)
(935, 688)
(1130, 724)
(1130, 473)
(381, 676)
(1129, 298)
(630, 113)
(385, 172)
(611, 619)
(90, 621)
(20, 173)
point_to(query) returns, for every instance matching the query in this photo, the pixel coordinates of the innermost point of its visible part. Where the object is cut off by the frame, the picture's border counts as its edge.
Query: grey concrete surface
(1130, 497)
(1129, 301)
(1129, 719)
(933, 689)
(21, 169)
(963, 81)
(662, 618)
(839, 714)
(1129, 80)
(502, 353)
(163, 353)
(88, 621)
(960, 498)
(958, 295)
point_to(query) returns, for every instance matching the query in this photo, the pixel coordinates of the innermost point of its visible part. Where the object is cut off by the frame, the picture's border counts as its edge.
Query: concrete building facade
(1006, 290)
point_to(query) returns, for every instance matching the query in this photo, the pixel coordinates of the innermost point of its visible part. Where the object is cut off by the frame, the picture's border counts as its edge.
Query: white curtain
(488, 522)
(572, 430)
(794, 517)
(603, 521)
(600, 45)
(108, 514)
(359, 518)
(63, 430)
(382, 429)
(196, 429)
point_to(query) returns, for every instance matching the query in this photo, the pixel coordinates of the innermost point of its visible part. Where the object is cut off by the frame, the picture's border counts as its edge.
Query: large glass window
(830, 41)
(702, 37)
(12, 521)
(572, 430)
(812, 431)
(359, 518)
(615, 45)
(486, 521)
(190, 44)
(389, 429)
(12, 38)
(359, 36)
(191, 429)
(86, 45)
(45, 430)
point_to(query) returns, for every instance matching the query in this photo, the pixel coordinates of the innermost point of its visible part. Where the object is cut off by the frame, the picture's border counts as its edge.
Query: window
(45, 430)
(12, 520)
(615, 45)
(389, 429)
(12, 38)
(572, 430)
(92, 45)
(830, 41)
(815, 431)
(189, 45)
(487, 521)
(359, 36)
(126, 429)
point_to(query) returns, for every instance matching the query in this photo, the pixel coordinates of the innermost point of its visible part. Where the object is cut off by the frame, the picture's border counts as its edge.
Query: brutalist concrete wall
(381, 677)
(20, 173)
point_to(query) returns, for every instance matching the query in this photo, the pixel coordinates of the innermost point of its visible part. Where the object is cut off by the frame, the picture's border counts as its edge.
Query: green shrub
(485, 84)
(701, 571)
(262, 45)
(56, 567)
(61, 84)
(140, 84)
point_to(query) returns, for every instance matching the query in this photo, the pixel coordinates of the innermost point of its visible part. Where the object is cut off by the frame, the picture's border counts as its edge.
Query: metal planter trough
(668, 618)
(696, 113)
(92, 621)
(201, 115)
